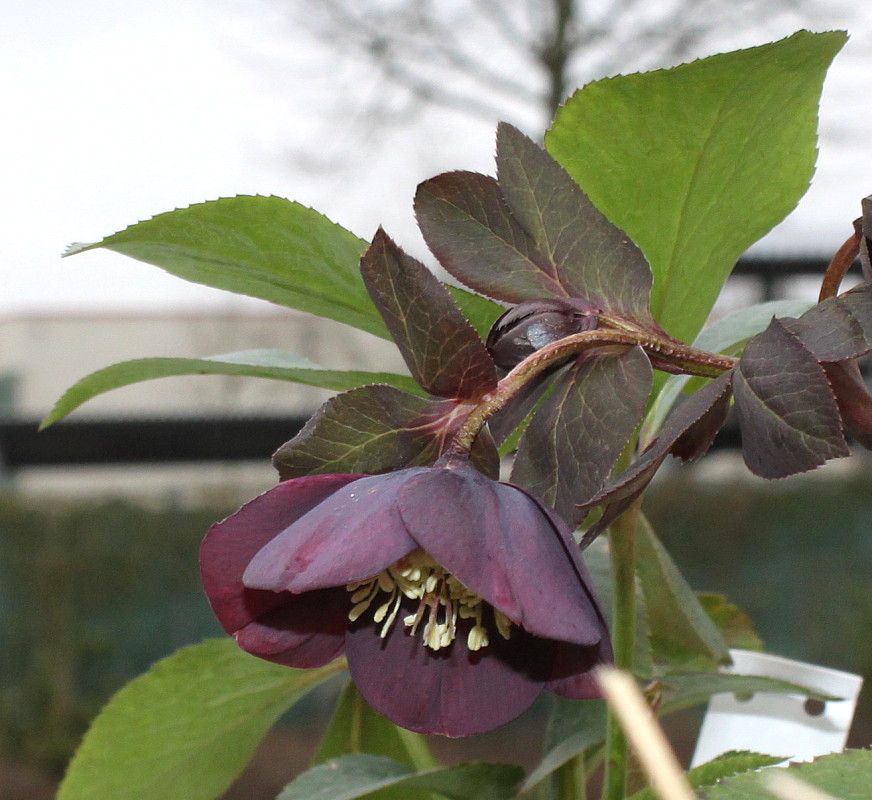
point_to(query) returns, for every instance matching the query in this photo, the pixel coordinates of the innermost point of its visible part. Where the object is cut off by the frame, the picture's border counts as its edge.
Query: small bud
(531, 325)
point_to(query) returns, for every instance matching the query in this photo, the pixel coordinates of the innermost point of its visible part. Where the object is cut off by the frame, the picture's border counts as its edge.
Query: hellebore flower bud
(531, 325)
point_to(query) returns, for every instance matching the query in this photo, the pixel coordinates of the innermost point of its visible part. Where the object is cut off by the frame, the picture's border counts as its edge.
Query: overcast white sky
(115, 111)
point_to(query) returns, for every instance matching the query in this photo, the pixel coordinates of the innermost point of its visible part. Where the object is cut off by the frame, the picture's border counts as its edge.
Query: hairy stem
(681, 357)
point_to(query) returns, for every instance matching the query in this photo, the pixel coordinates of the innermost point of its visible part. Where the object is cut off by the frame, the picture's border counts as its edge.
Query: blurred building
(43, 355)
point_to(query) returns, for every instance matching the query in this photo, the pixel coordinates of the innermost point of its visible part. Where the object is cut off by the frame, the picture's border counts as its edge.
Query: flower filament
(442, 600)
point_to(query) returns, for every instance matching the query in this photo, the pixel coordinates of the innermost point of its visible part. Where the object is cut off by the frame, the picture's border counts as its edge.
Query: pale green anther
(477, 638)
(382, 611)
(441, 599)
(385, 582)
(362, 593)
(357, 610)
(504, 624)
(391, 617)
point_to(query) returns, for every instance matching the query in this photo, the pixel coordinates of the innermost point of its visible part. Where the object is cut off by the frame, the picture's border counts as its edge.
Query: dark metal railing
(137, 441)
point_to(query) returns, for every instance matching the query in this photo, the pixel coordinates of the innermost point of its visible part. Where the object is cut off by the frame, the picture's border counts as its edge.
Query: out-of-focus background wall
(120, 111)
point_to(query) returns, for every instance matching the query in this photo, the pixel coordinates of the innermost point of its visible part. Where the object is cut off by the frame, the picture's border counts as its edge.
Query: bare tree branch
(493, 59)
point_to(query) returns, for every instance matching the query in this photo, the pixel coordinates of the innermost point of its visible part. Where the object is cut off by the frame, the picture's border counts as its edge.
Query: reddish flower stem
(684, 358)
(839, 267)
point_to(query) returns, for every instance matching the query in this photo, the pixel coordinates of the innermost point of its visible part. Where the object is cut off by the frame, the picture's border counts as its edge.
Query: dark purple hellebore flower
(456, 599)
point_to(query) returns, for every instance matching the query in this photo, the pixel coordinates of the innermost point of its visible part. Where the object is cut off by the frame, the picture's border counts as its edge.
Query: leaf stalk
(677, 356)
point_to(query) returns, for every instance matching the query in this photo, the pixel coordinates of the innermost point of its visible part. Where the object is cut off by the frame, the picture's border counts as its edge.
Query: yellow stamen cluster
(442, 600)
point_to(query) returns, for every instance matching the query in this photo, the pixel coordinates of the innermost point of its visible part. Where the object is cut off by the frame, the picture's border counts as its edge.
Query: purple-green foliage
(623, 231)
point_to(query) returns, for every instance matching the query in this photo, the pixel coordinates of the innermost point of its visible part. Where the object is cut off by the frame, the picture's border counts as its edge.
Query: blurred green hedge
(90, 595)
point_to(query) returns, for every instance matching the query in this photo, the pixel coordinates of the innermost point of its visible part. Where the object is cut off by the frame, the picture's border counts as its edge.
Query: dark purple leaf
(687, 430)
(853, 399)
(583, 252)
(697, 438)
(441, 348)
(375, 429)
(485, 456)
(866, 231)
(468, 226)
(838, 328)
(505, 422)
(574, 439)
(786, 409)
(865, 260)
(531, 234)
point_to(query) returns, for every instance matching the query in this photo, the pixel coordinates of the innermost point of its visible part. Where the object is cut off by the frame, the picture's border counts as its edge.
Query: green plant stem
(622, 541)
(570, 780)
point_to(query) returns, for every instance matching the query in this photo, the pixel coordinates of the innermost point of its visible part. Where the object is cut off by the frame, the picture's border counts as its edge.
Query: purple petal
(452, 692)
(502, 545)
(579, 687)
(231, 544)
(352, 535)
(305, 631)
(572, 669)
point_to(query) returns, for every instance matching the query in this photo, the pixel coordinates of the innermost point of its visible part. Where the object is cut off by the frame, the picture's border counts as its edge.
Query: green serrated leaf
(274, 364)
(724, 766)
(846, 776)
(682, 633)
(185, 729)
(697, 162)
(265, 247)
(442, 350)
(686, 689)
(733, 623)
(361, 775)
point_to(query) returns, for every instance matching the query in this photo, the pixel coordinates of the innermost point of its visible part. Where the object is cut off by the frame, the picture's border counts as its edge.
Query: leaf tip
(76, 247)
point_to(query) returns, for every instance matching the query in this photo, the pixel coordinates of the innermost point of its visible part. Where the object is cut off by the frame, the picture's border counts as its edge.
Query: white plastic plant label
(780, 724)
